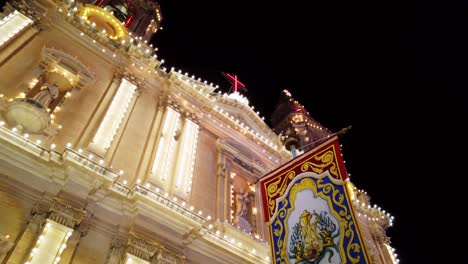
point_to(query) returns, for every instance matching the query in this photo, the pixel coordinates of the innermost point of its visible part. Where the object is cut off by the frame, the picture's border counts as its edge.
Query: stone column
(74, 241)
(161, 164)
(44, 237)
(117, 252)
(253, 220)
(50, 243)
(178, 136)
(28, 235)
(151, 144)
(220, 179)
(261, 229)
(118, 136)
(222, 207)
(54, 235)
(93, 122)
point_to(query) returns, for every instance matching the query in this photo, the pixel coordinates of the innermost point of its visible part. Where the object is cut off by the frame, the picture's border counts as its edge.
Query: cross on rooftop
(235, 82)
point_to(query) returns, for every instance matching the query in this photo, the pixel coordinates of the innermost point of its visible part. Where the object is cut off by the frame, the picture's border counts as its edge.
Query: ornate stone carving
(193, 117)
(195, 233)
(39, 213)
(133, 78)
(30, 8)
(165, 256)
(221, 170)
(84, 226)
(65, 214)
(118, 74)
(141, 247)
(174, 105)
(162, 101)
(116, 254)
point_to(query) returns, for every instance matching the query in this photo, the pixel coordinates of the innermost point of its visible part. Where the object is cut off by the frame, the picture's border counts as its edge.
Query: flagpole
(338, 133)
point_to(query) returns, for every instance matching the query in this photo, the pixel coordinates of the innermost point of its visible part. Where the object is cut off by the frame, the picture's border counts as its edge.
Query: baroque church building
(108, 157)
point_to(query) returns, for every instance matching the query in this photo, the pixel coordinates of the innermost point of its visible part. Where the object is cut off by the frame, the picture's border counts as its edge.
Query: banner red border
(322, 161)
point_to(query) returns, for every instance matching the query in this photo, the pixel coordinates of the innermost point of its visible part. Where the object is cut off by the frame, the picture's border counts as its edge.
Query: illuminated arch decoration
(103, 20)
(308, 205)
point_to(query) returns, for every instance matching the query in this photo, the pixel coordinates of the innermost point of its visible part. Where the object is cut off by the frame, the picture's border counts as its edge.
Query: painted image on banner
(313, 231)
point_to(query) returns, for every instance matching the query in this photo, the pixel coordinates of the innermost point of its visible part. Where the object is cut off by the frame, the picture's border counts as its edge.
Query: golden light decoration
(103, 19)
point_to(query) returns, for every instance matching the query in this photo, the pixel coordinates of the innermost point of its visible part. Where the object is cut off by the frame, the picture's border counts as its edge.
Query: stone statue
(242, 201)
(47, 93)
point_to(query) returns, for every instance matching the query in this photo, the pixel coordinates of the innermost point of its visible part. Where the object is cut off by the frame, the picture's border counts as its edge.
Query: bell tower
(142, 18)
(297, 129)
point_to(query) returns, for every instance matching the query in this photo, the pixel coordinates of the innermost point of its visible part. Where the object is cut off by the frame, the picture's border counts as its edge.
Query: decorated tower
(296, 128)
(141, 18)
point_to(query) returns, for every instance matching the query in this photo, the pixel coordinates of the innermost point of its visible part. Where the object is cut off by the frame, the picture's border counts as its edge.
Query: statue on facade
(47, 93)
(242, 201)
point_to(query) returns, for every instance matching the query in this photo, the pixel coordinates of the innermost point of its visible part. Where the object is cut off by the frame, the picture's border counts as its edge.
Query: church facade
(108, 157)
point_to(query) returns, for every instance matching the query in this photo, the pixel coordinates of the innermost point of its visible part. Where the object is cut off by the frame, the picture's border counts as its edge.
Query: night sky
(385, 68)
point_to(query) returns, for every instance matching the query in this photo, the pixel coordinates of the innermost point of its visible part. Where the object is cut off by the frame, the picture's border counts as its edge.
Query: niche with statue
(243, 204)
(34, 111)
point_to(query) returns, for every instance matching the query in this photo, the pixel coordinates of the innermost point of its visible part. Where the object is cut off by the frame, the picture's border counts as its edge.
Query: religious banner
(309, 210)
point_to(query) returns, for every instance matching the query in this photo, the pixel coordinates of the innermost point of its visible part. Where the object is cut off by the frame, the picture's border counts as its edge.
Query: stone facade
(129, 162)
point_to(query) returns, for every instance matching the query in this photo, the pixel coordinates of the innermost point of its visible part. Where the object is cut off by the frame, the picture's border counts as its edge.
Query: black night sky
(386, 68)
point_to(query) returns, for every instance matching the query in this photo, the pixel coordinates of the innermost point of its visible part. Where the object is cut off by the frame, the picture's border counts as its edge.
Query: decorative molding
(39, 213)
(141, 247)
(65, 214)
(117, 250)
(165, 256)
(194, 233)
(133, 78)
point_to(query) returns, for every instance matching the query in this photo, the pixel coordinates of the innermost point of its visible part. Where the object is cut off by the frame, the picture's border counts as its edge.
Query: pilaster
(93, 122)
(151, 144)
(44, 237)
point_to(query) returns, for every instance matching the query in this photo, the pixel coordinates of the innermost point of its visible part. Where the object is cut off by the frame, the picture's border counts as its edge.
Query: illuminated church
(108, 157)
